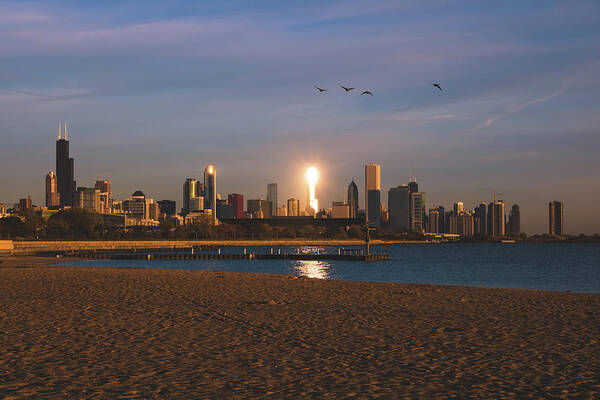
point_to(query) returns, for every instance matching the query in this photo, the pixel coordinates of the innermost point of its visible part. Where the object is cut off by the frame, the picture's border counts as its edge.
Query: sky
(154, 91)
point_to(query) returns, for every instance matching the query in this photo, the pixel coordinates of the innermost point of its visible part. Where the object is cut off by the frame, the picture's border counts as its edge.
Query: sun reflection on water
(313, 269)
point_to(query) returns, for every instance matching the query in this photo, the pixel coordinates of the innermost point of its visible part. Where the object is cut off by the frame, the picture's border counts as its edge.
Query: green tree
(12, 227)
(75, 224)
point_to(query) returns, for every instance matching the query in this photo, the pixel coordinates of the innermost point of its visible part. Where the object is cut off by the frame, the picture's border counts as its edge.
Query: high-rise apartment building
(417, 212)
(514, 221)
(106, 200)
(52, 196)
(442, 221)
(87, 198)
(64, 169)
(399, 208)
(465, 224)
(293, 207)
(272, 196)
(555, 218)
(353, 199)
(237, 202)
(259, 208)
(496, 219)
(433, 225)
(25, 204)
(481, 220)
(373, 194)
(282, 211)
(210, 191)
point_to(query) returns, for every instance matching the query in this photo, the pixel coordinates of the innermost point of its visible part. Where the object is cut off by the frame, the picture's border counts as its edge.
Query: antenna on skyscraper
(66, 134)
(59, 126)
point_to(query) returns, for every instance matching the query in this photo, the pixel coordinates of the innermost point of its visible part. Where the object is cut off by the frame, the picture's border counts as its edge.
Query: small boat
(508, 241)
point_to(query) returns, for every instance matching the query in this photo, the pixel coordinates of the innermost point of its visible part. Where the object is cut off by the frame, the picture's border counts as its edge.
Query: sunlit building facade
(293, 207)
(52, 196)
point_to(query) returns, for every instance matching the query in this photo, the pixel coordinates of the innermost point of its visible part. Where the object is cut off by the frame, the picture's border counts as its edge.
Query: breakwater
(34, 247)
(226, 256)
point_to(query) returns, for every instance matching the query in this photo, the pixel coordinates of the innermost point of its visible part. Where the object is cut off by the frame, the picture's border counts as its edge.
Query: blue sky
(153, 91)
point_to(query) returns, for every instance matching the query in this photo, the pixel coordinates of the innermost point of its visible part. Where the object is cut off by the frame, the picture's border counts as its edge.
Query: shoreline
(36, 262)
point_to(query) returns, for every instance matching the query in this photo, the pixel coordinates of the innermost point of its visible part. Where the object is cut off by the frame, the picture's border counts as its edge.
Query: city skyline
(406, 209)
(516, 114)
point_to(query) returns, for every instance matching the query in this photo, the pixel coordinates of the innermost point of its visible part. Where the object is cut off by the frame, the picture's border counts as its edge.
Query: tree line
(81, 224)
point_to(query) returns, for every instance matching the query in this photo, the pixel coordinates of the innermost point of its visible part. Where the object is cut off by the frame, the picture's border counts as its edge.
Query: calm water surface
(549, 266)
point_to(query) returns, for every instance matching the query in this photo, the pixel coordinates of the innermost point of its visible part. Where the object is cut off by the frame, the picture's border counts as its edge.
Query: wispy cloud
(515, 108)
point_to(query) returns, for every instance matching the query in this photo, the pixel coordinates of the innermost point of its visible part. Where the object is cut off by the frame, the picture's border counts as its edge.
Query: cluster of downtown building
(406, 209)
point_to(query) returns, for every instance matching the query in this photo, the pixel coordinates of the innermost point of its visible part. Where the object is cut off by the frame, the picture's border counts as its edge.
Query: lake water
(548, 266)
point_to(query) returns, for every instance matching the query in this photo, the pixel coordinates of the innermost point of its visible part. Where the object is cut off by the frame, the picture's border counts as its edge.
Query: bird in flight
(437, 85)
(367, 92)
(347, 89)
(321, 90)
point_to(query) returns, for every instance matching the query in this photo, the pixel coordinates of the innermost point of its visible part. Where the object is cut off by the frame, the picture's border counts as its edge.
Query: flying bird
(367, 92)
(437, 85)
(347, 89)
(321, 90)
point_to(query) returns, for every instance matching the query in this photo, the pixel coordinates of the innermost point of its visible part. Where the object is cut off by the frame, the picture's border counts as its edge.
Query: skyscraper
(496, 219)
(514, 221)
(106, 199)
(353, 199)
(417, 211)
(64, 169)
(87, 198)
(293, 207)
(373, 193)
(190, 191)
(237, 202)
(555, 218)
(210, 190)
(458, 208)
(482, 220)
(52, 196)
(434, 221)
(272, 197)
(399, 208)
(442, 223)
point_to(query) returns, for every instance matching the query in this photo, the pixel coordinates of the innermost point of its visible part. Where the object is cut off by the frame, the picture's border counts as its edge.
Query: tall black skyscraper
(65, 174)
(555, 218)
(353, 199)
(399, 208)
(514, 221)
(482, 220)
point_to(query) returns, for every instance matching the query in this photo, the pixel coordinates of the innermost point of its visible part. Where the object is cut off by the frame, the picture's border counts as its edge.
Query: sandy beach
(71, 332)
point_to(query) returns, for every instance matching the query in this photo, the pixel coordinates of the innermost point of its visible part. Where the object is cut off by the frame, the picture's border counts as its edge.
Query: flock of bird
(347, 89)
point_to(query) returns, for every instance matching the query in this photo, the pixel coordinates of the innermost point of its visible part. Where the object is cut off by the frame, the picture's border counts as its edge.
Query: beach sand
(131, 333)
